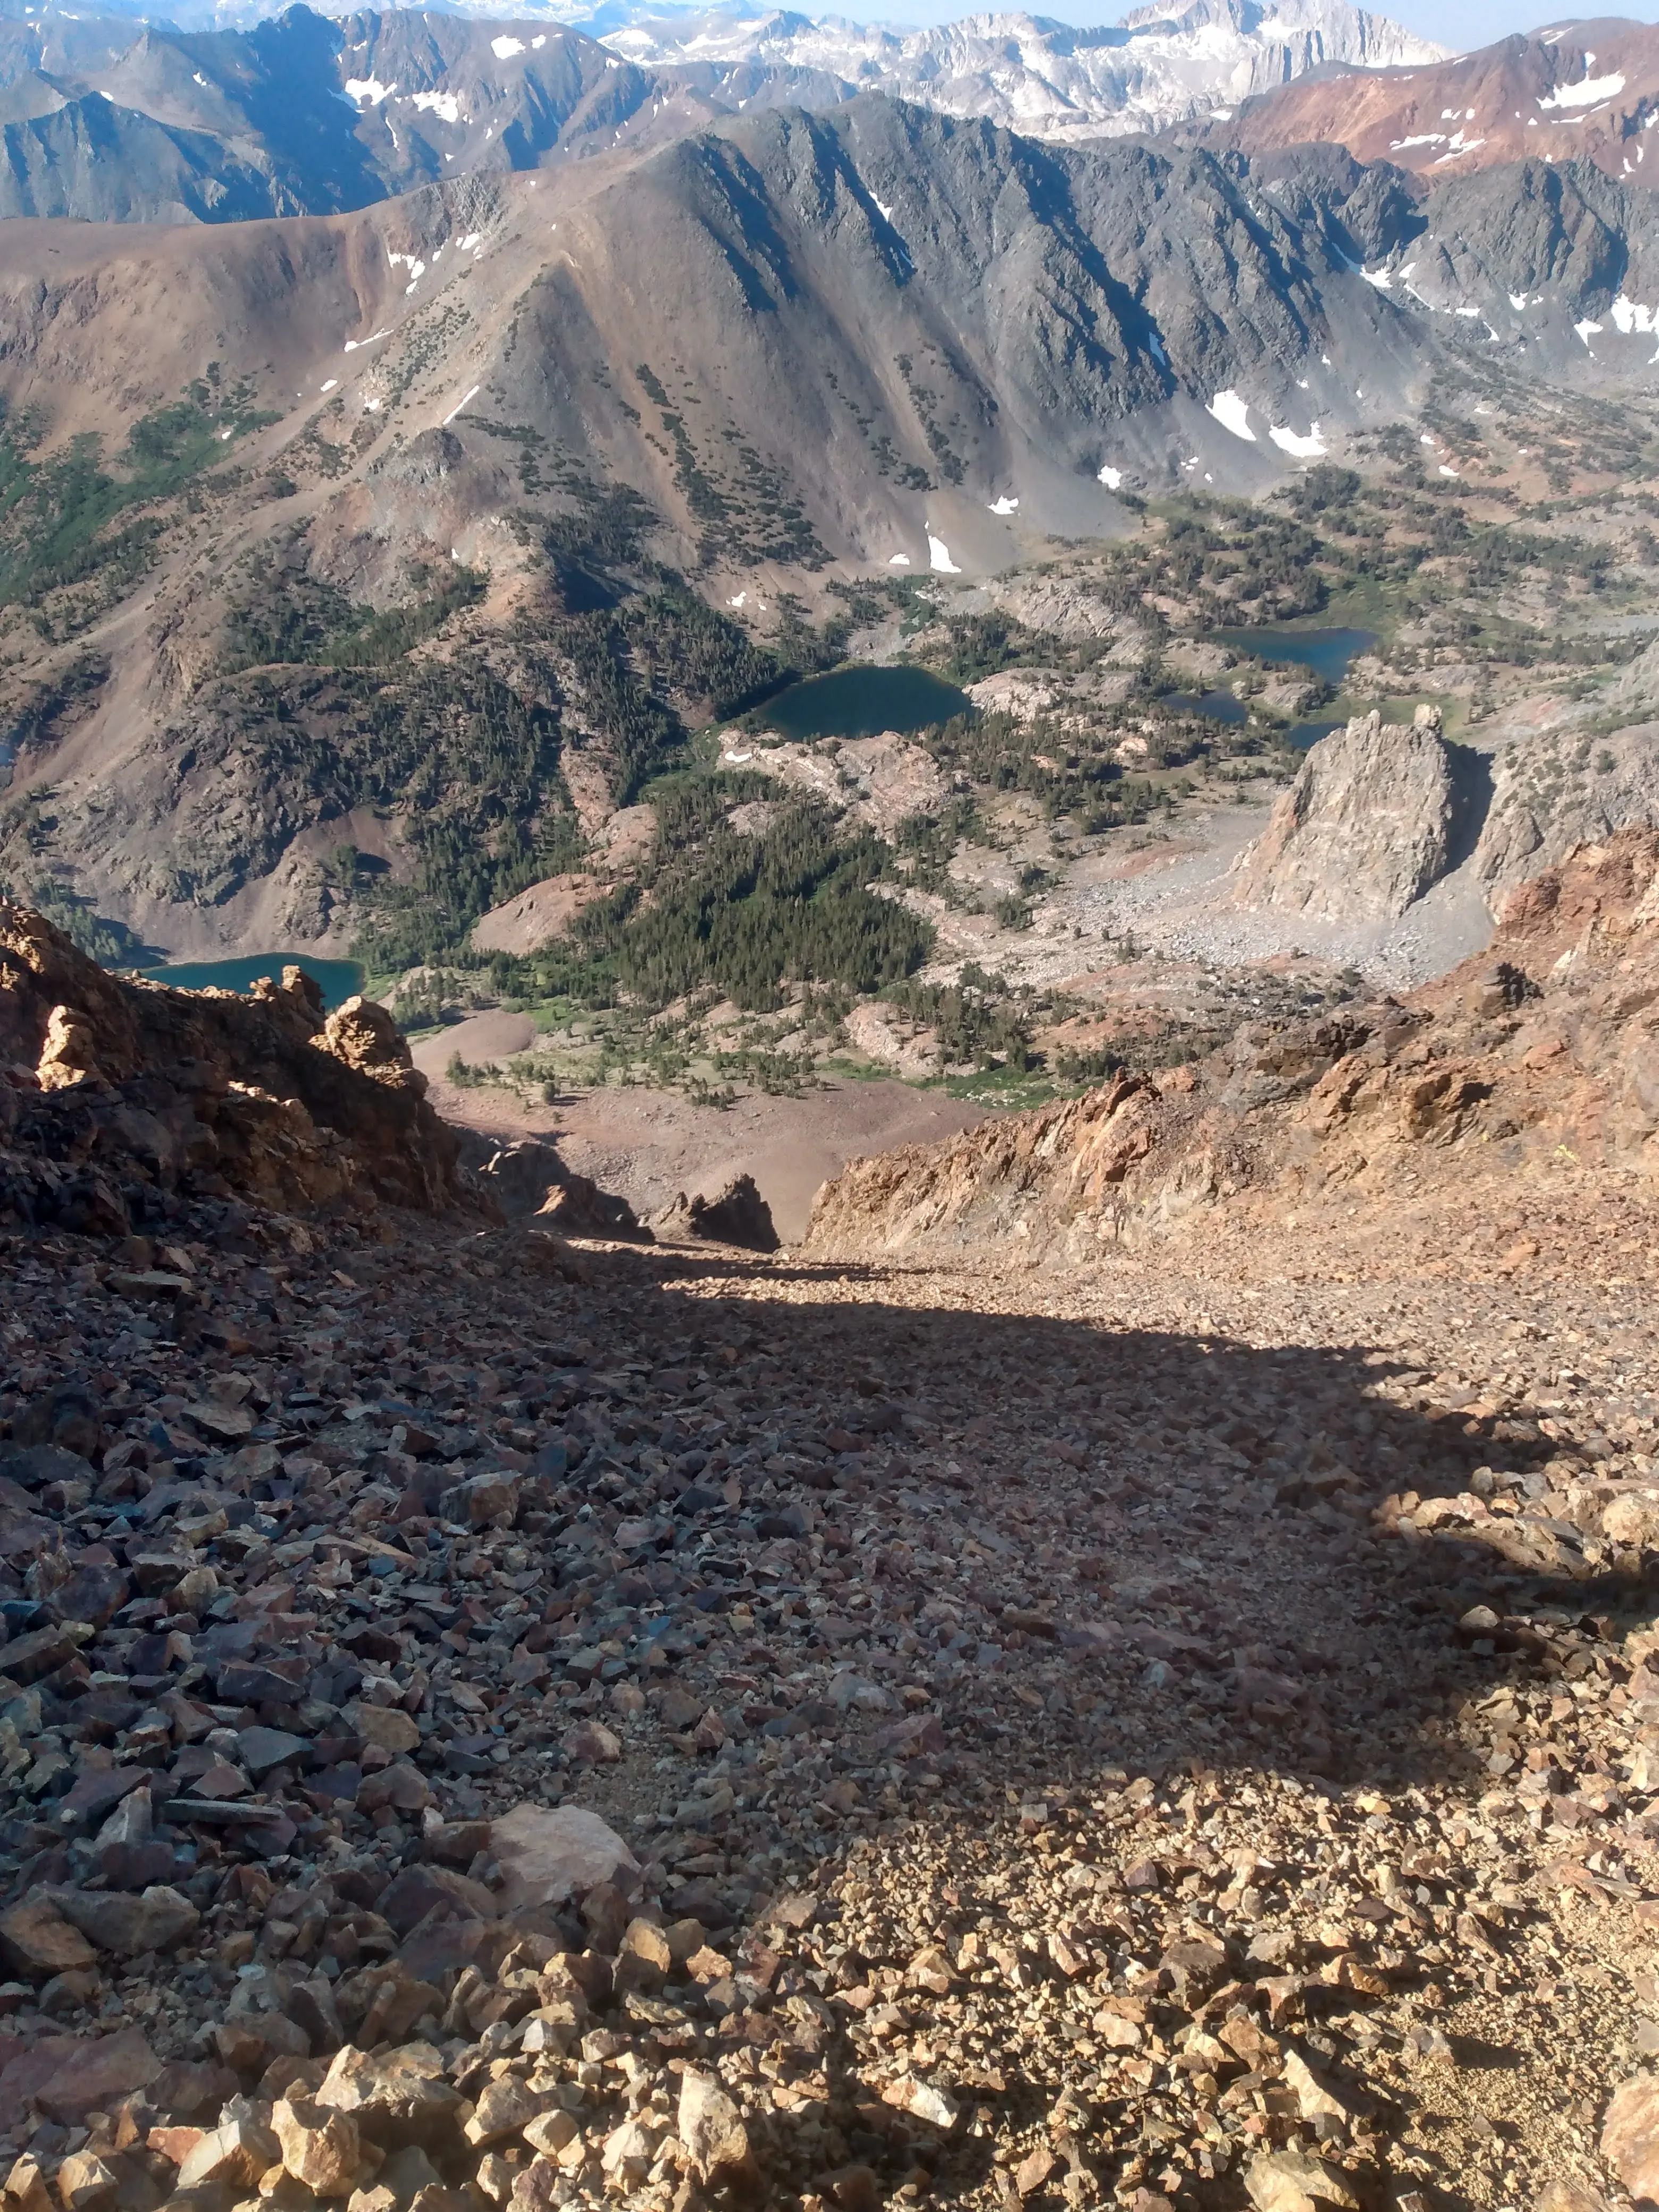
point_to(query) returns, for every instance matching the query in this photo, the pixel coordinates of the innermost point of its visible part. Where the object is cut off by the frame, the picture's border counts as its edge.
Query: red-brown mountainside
(1544, 1050)
(116, 1095)
(1586, 93)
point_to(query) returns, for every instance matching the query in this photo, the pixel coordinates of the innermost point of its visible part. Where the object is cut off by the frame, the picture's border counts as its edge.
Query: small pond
(1326, 651)
(1215, 706)
(340, 979)
(861, 702)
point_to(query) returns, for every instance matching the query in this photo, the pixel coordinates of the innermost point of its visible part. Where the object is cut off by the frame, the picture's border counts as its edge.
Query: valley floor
(1178, 1731)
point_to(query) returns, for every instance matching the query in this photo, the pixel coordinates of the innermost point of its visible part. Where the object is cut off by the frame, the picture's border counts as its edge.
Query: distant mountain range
(106, 117)
(1161, 65)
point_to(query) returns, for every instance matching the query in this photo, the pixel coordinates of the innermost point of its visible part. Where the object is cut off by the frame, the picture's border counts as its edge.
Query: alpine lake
(862, 702)
(1326, 651)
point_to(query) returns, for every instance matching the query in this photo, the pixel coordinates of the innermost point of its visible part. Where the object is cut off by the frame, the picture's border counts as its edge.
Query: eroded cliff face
(1550, 1040)
(112, 1092)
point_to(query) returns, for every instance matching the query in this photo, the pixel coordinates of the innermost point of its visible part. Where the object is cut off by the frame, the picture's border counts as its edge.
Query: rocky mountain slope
(1580, 92)
(1547, 1042)
(485, 1724)
(1159, 66)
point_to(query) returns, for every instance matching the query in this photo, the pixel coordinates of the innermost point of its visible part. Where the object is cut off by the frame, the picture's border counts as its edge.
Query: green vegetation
(978, 1020)
(751, 915)
(286, 616)
(68, 518)
(742, 503)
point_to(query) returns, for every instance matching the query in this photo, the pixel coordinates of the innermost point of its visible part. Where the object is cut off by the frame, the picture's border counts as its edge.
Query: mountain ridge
(1586, 91)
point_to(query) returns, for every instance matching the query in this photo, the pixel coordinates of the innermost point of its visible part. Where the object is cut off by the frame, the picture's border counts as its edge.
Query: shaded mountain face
(300, 114)
(1547, 262)
(1589, 92)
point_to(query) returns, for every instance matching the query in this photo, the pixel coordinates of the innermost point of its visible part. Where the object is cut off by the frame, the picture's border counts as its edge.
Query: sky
(1460, 24)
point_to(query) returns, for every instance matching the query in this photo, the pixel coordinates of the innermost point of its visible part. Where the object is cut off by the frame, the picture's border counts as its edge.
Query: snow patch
(1586, 330)
(882, 209)
(1587, 92)
(1379, 278)
(446, 105)
(1310, 448)
(1233, 414)
(898, 560)
(1630, 315)
(1004, 506)
(1517, 301)
(1459, 144)
(352, 344)
(1109, 476)
(369, 88)
(330, 386)
(506, 46)
(465, 400)
(539, 42)
(738, 601)
(198, 78)
(939, 557)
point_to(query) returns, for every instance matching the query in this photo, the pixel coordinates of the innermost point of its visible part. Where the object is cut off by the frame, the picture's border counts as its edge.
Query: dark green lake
(861, 702)
(340, 979)
(1216, 706)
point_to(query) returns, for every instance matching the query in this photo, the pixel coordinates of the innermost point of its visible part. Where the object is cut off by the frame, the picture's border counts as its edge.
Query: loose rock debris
(724, 1730)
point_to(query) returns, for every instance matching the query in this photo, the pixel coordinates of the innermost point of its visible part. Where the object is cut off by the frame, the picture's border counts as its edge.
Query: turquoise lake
(340, 979)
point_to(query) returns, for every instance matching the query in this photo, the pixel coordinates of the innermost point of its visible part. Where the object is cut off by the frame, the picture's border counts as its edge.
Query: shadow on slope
(1202, 1537)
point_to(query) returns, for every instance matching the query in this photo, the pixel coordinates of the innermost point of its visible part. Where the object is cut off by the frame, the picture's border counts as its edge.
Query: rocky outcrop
(529, 1179)
(1548, 1040)
(1370, 823)
(738, 1215)
(114, 1092)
